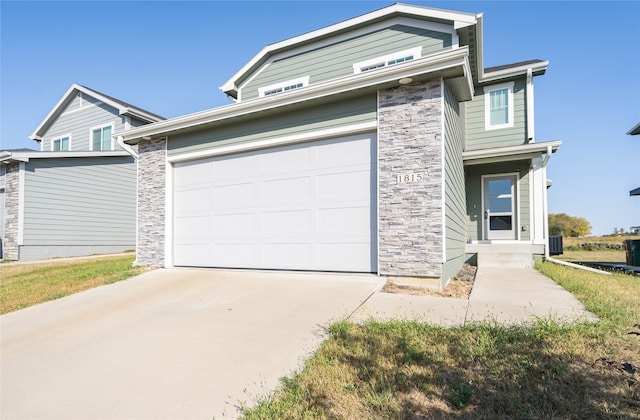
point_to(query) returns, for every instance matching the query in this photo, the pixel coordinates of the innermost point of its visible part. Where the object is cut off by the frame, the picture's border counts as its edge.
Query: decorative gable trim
(458, 20)
(122, 107)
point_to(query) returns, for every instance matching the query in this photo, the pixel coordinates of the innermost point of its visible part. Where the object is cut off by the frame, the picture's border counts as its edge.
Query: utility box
(555, 245)
(632, 246)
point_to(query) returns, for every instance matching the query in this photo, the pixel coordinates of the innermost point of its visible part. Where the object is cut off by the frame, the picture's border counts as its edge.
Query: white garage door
(303, 207)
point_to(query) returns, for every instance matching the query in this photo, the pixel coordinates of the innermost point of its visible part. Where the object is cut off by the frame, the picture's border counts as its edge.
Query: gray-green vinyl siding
(78, 122)
(291, 122)
(80, 202)
(473, 175)
(454, 190)
(479, 138)
(336, 60)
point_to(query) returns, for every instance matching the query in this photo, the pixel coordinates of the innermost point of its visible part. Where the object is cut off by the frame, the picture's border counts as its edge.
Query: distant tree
(564, 225)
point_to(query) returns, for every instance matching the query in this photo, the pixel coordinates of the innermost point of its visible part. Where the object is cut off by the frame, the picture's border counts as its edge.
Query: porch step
(505, 259)
(507, 255)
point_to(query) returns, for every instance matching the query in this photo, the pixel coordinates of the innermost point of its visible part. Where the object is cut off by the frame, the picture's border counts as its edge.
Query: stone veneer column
(10, 248)
(152, 161)
(410, 214)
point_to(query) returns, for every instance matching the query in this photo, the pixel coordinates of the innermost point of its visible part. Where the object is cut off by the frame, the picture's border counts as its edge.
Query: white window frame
(383, 61)
(487, 105)
(59, 138)
(283, 87)
(100, 127)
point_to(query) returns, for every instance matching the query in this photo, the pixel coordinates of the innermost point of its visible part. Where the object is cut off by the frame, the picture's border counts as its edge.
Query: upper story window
(61, 144)
(388, 60)
(498, 105)
(101, 138)
(283, 86)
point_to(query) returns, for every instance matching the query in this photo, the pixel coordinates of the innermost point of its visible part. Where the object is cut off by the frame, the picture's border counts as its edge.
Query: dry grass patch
(612, 256)
(418, 371)
(24, 285)
(459, 287)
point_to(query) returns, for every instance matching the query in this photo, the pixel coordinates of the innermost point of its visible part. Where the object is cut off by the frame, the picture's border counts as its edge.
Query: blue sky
(171, 57)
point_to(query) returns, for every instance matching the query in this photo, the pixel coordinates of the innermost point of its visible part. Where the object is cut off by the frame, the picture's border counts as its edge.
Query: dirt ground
(459, 287)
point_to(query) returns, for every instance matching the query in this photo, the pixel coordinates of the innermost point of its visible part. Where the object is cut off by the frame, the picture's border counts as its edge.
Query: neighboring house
(380, 144)
(77, 195)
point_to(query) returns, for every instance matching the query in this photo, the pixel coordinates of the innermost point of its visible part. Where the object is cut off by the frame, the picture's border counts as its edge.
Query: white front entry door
(300, 207)
(499, 200)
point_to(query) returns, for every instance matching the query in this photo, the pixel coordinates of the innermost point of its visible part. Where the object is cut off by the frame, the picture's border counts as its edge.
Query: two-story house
(380, 144)
(77, 194)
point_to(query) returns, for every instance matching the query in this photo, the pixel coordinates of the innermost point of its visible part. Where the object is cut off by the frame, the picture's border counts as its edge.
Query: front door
(500, 207)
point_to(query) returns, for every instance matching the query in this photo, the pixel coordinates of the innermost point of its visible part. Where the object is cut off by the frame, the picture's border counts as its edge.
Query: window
(61, 144)
(498, 104)
(101, 138)
(387, 60)
(283, 86)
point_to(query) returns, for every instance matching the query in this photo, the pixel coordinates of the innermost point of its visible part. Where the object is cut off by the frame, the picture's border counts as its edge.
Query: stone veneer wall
(10, 247)
(152, 158)
(410, 214)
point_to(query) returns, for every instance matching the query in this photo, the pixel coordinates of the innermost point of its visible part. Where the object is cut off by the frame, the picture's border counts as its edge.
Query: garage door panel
(297, 159)
(193, 228)
(343, 256)
(193, 200)
(235, 255)
(291, 255)
(190, 173)
(286, 189)
(306, 207)
(345, 219)
(234, 195)
(349, 184)
(286, 221)
(192, 254)
(234, 224)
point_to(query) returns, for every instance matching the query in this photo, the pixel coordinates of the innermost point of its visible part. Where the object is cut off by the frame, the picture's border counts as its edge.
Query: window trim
(100, 127)
(59, 138)
(487, 105)
(383, 61)
(282, 86)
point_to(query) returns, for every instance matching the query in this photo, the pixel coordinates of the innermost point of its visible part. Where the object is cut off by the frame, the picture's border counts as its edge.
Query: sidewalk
(508, 296)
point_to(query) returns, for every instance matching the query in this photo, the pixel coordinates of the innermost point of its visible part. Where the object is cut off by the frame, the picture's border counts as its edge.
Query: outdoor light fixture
(405, 80)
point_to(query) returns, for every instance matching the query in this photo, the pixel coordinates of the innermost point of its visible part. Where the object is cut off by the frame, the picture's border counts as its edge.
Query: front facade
(76, 195)
(380, 144)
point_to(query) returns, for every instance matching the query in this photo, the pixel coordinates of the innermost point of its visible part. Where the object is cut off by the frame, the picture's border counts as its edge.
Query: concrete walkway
(191, 343)
(507, 296)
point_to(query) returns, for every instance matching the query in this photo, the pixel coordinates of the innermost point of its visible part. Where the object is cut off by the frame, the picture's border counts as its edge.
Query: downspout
(531, 138)
(545, 217)
(133, 153)
(126, 147)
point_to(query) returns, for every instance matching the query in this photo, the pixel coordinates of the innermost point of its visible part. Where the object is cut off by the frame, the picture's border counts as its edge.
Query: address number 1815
(405, 178)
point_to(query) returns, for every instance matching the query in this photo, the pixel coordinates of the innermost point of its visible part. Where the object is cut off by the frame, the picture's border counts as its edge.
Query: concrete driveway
(172, 343)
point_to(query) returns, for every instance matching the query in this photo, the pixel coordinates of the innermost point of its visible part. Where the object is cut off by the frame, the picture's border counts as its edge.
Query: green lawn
(25, 285)
(415, 371)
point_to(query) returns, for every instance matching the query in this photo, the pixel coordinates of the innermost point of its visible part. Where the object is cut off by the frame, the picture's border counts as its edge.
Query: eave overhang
(508, 153)
(634, 192)
(537, 69)
(451, 64)
(7, 157)
(456, 19)
(635, 130)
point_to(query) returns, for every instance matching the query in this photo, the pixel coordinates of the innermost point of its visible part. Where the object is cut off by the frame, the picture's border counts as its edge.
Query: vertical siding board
(80, 201)
(479, 138)
(337, 60)
(455, 203)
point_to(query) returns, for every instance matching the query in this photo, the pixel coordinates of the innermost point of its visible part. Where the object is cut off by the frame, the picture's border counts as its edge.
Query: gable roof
(635, 130)
(123, 108)
(456, 19)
